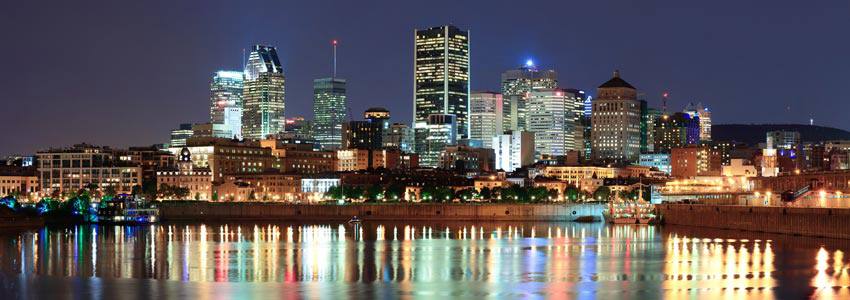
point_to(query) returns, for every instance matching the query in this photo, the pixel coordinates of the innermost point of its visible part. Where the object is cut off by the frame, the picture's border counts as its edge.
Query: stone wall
(212, 211)
(816, 222)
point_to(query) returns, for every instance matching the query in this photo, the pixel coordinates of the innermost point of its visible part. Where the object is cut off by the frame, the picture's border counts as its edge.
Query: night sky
(126, 73)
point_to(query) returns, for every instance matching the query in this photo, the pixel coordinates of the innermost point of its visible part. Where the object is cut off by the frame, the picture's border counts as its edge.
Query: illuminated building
(675, 131)
(296, 157)
(739, 168)
(616, 121)
(369, 133)
(226, 104)
(553, 117)
(299, 127)
(692, 161)
(513, 150)
(467, 160)
(704, 119)
(782, 139)
(441, 78)
(438, 132)
(70, 169)
(265, 186)
(263, 94)
(226, 156)
(366, 159)
(197, 180)
(329, 111)
(651, 119)
(660, 161)
(180, 135)
(485, 117)
(516, 86)
(586, 178)
(22, 181)
(399, 136)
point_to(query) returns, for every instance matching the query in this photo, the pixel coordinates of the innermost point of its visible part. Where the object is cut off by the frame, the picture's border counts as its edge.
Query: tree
(353, 192)
(335, 192)
(603, 193)
(252, 196)
(486, 193)
(197, 196)
(109, 192)
(571, 193)
(374, 192)
(215, 196)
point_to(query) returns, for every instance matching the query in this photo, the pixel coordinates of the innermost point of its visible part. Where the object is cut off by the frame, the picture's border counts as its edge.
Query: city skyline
(141, 115)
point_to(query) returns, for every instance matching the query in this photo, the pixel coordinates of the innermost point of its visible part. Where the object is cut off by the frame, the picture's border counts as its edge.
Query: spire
(334, 42)
(616, 73)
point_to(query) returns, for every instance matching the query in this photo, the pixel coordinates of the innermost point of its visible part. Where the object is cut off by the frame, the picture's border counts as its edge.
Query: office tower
(783, 139)
(675, 131)
(329, 110)
(226, 104)
(399, 136)
(441, 77)
(369, 133)
(704, 115)
(263, 94)
(485, 117)
(616, 122)
(440, 132)
(552, 116)
(516, 86)
(181, 134)
(651, 118)
(513, 150)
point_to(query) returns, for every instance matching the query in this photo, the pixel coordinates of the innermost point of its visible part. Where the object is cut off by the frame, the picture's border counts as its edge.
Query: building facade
(330, 108)
(441, 77)
(553, 117)
(485, 117)
(675, 131)
(440, 131)
(616, 120)
(198, 181)
(225, 156)
(516, 86)
(513, 150)
(369, 133)
(704, 115)
(263, 94)
(80, 166)
(226, 90)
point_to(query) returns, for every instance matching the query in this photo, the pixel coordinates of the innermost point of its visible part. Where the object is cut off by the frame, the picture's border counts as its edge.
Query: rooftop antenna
(664, 97)
(243, 59)
(334, 42)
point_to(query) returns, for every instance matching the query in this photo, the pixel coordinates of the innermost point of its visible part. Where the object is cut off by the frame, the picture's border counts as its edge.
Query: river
(417, 260)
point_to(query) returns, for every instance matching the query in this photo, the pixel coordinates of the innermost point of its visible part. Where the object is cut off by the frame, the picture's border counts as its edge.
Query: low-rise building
(19, 181)
(80, 166)
(467, 159)
(364, 159)
(226, 156)
(198, 181)
(266, 186)
(298, 157)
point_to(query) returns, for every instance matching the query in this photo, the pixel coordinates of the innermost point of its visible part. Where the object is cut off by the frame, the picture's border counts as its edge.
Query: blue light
(529, 63)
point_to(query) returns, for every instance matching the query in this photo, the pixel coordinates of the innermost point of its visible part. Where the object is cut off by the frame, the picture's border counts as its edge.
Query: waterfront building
(466, 159)
(586, 178)
(369, 133)
(330, 109)
(698, 110)
(516, 86)
(692, 161)
(318, 185)
(739, 168)
(439, 132)
(616, 121)
(197, 180)
(675, 131)
(180, 135)
(263, 94)
(399, 136)
(19, 181)
(660, 161)
(300, 157)
(68, 170)
(270, 185)
(226, 90)
(149, 159)
(485, 117)
(441, 78)
(226, 156)
(366, 159)
(513, 150)
(553, 117)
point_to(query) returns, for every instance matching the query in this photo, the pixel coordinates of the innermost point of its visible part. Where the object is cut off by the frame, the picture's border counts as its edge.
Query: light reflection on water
(426, 259)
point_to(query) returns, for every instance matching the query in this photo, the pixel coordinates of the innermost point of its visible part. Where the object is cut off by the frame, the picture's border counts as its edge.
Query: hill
(755, 133)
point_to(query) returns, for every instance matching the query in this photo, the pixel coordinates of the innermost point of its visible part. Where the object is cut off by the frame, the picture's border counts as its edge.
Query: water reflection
(429, 259)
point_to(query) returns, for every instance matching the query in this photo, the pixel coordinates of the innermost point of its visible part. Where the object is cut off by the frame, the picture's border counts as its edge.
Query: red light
(665, 95)
(334, 42)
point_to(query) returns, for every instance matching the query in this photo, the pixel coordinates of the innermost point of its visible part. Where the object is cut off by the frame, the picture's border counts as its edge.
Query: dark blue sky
(125, 72)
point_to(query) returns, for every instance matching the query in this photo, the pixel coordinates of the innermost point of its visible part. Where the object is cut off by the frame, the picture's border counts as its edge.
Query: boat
(630, 212)
(125, 210)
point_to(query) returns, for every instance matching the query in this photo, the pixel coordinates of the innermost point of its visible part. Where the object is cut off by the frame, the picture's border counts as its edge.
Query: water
(417, 260)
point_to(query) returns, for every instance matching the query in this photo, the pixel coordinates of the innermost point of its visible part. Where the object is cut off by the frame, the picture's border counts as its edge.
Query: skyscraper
(440, 131)
(369, 133)
(704, 115)
(441, 78)
(226, 104)
(263, 94)
(516, 86)
(485, 117)
(329, 111)
(675, 131)
(553, 117)
(617, 118)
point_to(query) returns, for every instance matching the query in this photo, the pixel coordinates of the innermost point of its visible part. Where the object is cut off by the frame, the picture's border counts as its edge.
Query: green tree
(571, 193)
(603, 193)
(374, 192)
(353, 192)
(215, 196)
(197, 196)
(252, 196)
(486, 193)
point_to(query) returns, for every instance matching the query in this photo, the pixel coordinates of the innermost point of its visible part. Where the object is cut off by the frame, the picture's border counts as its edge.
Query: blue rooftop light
(529, 63)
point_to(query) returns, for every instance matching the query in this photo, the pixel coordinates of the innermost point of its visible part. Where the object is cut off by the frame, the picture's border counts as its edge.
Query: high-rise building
(675, 131)
(441, 77)
(552, 116)
(181, 134)
(513, 150)
(485, 117)
(369, 133)
(226, 104)
(329, 110)
(704, 115)
(516, 86)
(263, 94)
(399, 136)
(617, 121)
(440, 132)
(651, 118)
